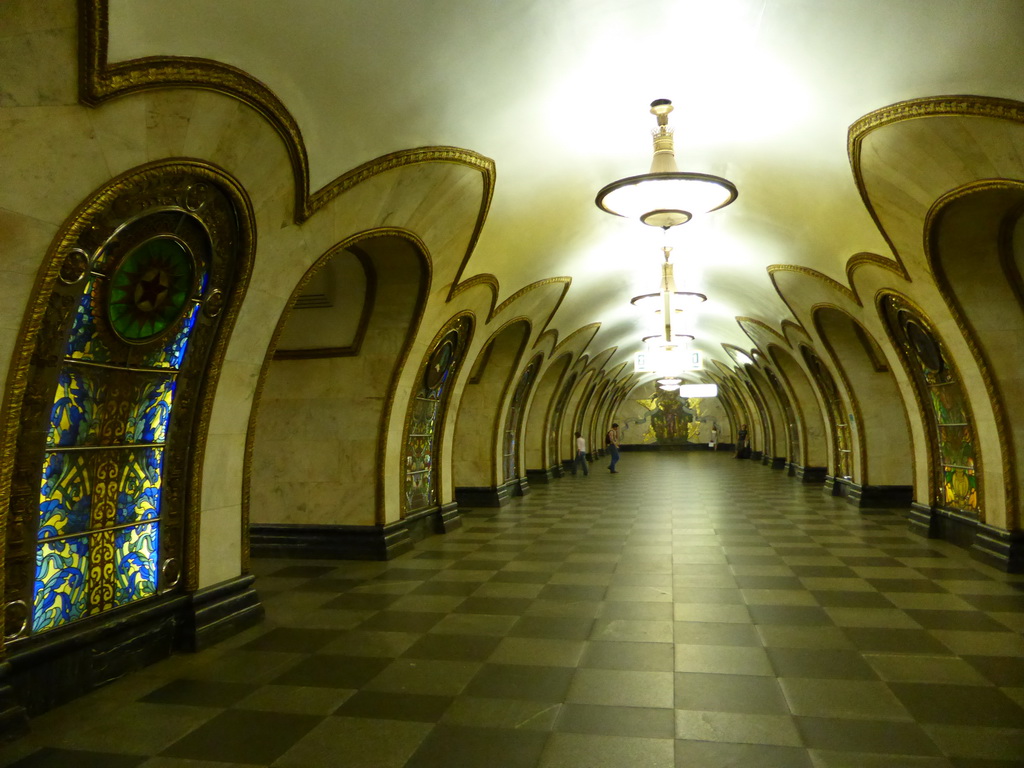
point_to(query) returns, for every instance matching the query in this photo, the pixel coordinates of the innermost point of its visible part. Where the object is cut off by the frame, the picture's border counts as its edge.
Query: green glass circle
(150, 289)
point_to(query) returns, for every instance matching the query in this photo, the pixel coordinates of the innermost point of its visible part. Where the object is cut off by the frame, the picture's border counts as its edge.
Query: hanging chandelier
(666, 197)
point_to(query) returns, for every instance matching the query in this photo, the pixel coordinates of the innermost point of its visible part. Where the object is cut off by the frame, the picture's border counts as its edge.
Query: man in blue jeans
(581, 456)
(612, 441)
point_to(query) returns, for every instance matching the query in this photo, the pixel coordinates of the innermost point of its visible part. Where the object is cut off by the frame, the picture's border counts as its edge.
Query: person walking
(612, 441)
(581, 456)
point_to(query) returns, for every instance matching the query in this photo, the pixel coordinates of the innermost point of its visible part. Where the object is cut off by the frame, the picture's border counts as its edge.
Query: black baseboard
(220, 611)
(834, 486)
(994, 546)
(520, 486)
(811, 474)
(352, 542)
(779, 462)
(756, 455)
(476, 497)
(880, 496)
(48, 670)
(540, 476)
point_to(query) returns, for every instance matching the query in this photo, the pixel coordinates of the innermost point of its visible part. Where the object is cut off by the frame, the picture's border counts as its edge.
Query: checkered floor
(692, 610)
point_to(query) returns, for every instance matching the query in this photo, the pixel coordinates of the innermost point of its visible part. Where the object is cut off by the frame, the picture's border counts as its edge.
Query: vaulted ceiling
(557, 93)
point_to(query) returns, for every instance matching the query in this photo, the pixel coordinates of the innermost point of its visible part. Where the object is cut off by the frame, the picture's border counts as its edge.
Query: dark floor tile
(729, 693)
(521, 577)
(405, 574)
(200, 693)
(790, 615)
(452, 588)
(772, 559)
(645, 657)
(401, 621)
(448, 746)
(572, 592)
(996, 603)
(476, 564)
(912, 551)
(577, 567)
(953, 574)
(453, 647)
(291, 640)
(640, 722)
(973, 621)
(873, 562)
(959, 704)
(714, 633)
(552, 628)
(829, 664)
(520, 681)
(302, 571)
(395, 706)
(871, 736)
(73, 758)
(826, 571)
(333, 671)
(712, 754)
(334, 586)
(1004, 671)
(243, 736)
(362, 601)
(879, 639)
(904, 585)
(837, 598)
(768, 582)
(495, 606)
(622, 609)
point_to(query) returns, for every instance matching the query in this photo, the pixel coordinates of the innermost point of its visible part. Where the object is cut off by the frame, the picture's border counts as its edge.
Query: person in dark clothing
(612, 443)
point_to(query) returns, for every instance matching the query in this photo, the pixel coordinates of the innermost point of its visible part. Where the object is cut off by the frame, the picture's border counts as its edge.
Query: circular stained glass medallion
(150, 289)
(925, 345)
(441, 360)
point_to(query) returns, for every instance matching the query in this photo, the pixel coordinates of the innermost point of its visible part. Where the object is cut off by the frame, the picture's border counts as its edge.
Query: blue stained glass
(151, 412)
(72, 419)
(84, 343)
(173, 354)
(136, 562)
(138, 492)
(138, 496)
(60, 585)
(65, 502)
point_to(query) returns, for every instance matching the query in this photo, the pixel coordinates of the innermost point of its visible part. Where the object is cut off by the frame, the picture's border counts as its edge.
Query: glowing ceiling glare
(698, 390)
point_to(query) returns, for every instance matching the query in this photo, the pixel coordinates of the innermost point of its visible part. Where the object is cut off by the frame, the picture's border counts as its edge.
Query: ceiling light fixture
(666, 197)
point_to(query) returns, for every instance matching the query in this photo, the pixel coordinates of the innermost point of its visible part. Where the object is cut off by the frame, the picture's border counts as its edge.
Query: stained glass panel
(425, 413)
(151, 412)
(940, 388)
(136, 562)
(73, 417)
(138, 496)
(84, 343)
(65, 495)
(419, 490)
(60, 593)
(960, 488)
(947, 400)
(172, 354)
(150, 289)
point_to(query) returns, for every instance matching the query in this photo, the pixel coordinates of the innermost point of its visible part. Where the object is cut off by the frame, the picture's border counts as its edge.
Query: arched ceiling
(557, 93)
